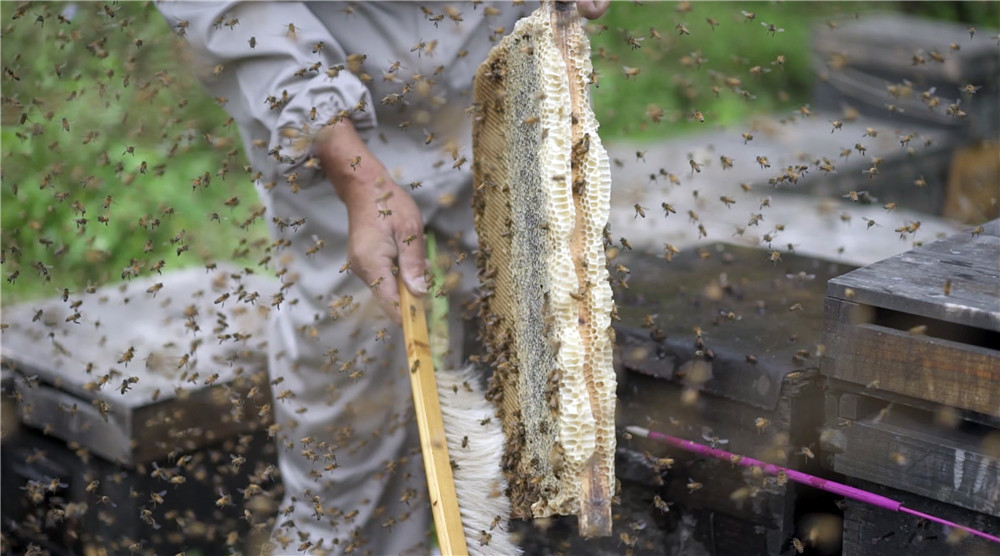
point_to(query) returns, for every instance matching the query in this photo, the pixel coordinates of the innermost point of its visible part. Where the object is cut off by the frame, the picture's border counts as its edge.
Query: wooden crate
(186, 425)
(873, 531)
(934, 452)
(754, 359)
(924, 324)
(859, 58)
(189, 373)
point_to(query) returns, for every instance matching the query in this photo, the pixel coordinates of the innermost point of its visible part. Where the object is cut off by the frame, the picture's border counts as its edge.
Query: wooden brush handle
(437, 466)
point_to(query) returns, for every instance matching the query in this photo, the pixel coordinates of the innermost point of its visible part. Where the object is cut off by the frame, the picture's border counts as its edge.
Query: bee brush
(460, 437)
(803, 478)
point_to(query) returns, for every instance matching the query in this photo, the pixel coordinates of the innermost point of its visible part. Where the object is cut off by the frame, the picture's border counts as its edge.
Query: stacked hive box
(724, 352)
(913, 407)
(904, 76)
(110, 431)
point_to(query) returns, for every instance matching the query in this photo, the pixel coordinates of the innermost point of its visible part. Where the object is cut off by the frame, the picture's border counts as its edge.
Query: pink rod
(800, 477)
(976, 532)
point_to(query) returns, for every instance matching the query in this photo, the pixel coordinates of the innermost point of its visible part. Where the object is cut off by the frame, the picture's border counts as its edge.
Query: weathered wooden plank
(943, 371)
(874, 399)
(667, 407)
(883, 43)
(915, 282)
(150, 366)
(754, 325)
(944, 463)
(873, 531)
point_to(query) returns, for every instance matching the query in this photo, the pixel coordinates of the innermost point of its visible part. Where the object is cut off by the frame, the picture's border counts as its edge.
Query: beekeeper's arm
(263, 57)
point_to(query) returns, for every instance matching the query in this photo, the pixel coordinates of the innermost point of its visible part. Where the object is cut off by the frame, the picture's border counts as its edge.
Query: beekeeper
(354, 115)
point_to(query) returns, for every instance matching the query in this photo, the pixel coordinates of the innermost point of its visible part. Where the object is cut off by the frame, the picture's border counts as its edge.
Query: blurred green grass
(147, 167)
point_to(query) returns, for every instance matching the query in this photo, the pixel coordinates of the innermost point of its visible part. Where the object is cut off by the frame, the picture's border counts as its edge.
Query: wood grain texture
(934, 369)
(437, 466)
(872, 531)
(947, 464)
(914, 282)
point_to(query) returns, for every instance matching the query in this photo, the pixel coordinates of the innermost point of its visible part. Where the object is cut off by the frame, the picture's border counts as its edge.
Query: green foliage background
(148, 168)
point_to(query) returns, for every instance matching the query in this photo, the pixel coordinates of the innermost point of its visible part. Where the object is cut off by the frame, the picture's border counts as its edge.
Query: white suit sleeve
(284, 79)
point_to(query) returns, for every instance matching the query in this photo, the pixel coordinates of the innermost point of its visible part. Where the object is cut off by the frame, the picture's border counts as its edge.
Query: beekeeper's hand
(385, 224)
(592, 9)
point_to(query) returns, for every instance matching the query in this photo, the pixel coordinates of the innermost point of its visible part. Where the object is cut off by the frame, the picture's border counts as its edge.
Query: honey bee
(748, 16)
(693, 485)
(771, 29)
(639, 211)
(798, 545)
(682, 29)
(764, 163)
(977, 231)
(631, 72)
(760, 423)
(712, 23)
(127, 356)
(774, 257)
(805, 451)
(969, 89)
(660, 504)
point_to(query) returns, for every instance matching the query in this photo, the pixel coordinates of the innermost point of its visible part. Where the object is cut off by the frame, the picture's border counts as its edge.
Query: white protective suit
(348, 449)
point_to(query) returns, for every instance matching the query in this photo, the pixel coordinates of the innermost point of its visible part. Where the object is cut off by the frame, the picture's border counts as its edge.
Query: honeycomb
(541, 204)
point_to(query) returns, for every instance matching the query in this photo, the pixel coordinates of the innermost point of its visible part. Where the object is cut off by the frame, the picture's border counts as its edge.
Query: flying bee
(223, 500)
(639, 211)
(127, 356)
(693, 485)
(764, 163)
(667, 209)
(682, 29)
(969, 89)
(771, 28)
(797, 544)
(157, 497)
(748, 16)
(712, 23)
(660, 505)
(631, 72)
(760, 423)
(805, 451)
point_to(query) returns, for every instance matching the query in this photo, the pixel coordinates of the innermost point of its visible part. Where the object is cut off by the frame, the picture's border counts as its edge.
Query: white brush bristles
(475, 445)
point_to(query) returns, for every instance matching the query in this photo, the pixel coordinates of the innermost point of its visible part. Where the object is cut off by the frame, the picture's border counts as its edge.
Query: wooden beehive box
(191, 419)
(857, 59)
(188, 356)
(711, 345)
(913, 402)
(924, 324)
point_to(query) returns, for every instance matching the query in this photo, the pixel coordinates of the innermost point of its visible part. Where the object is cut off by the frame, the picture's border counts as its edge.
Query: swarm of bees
(103, 119)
